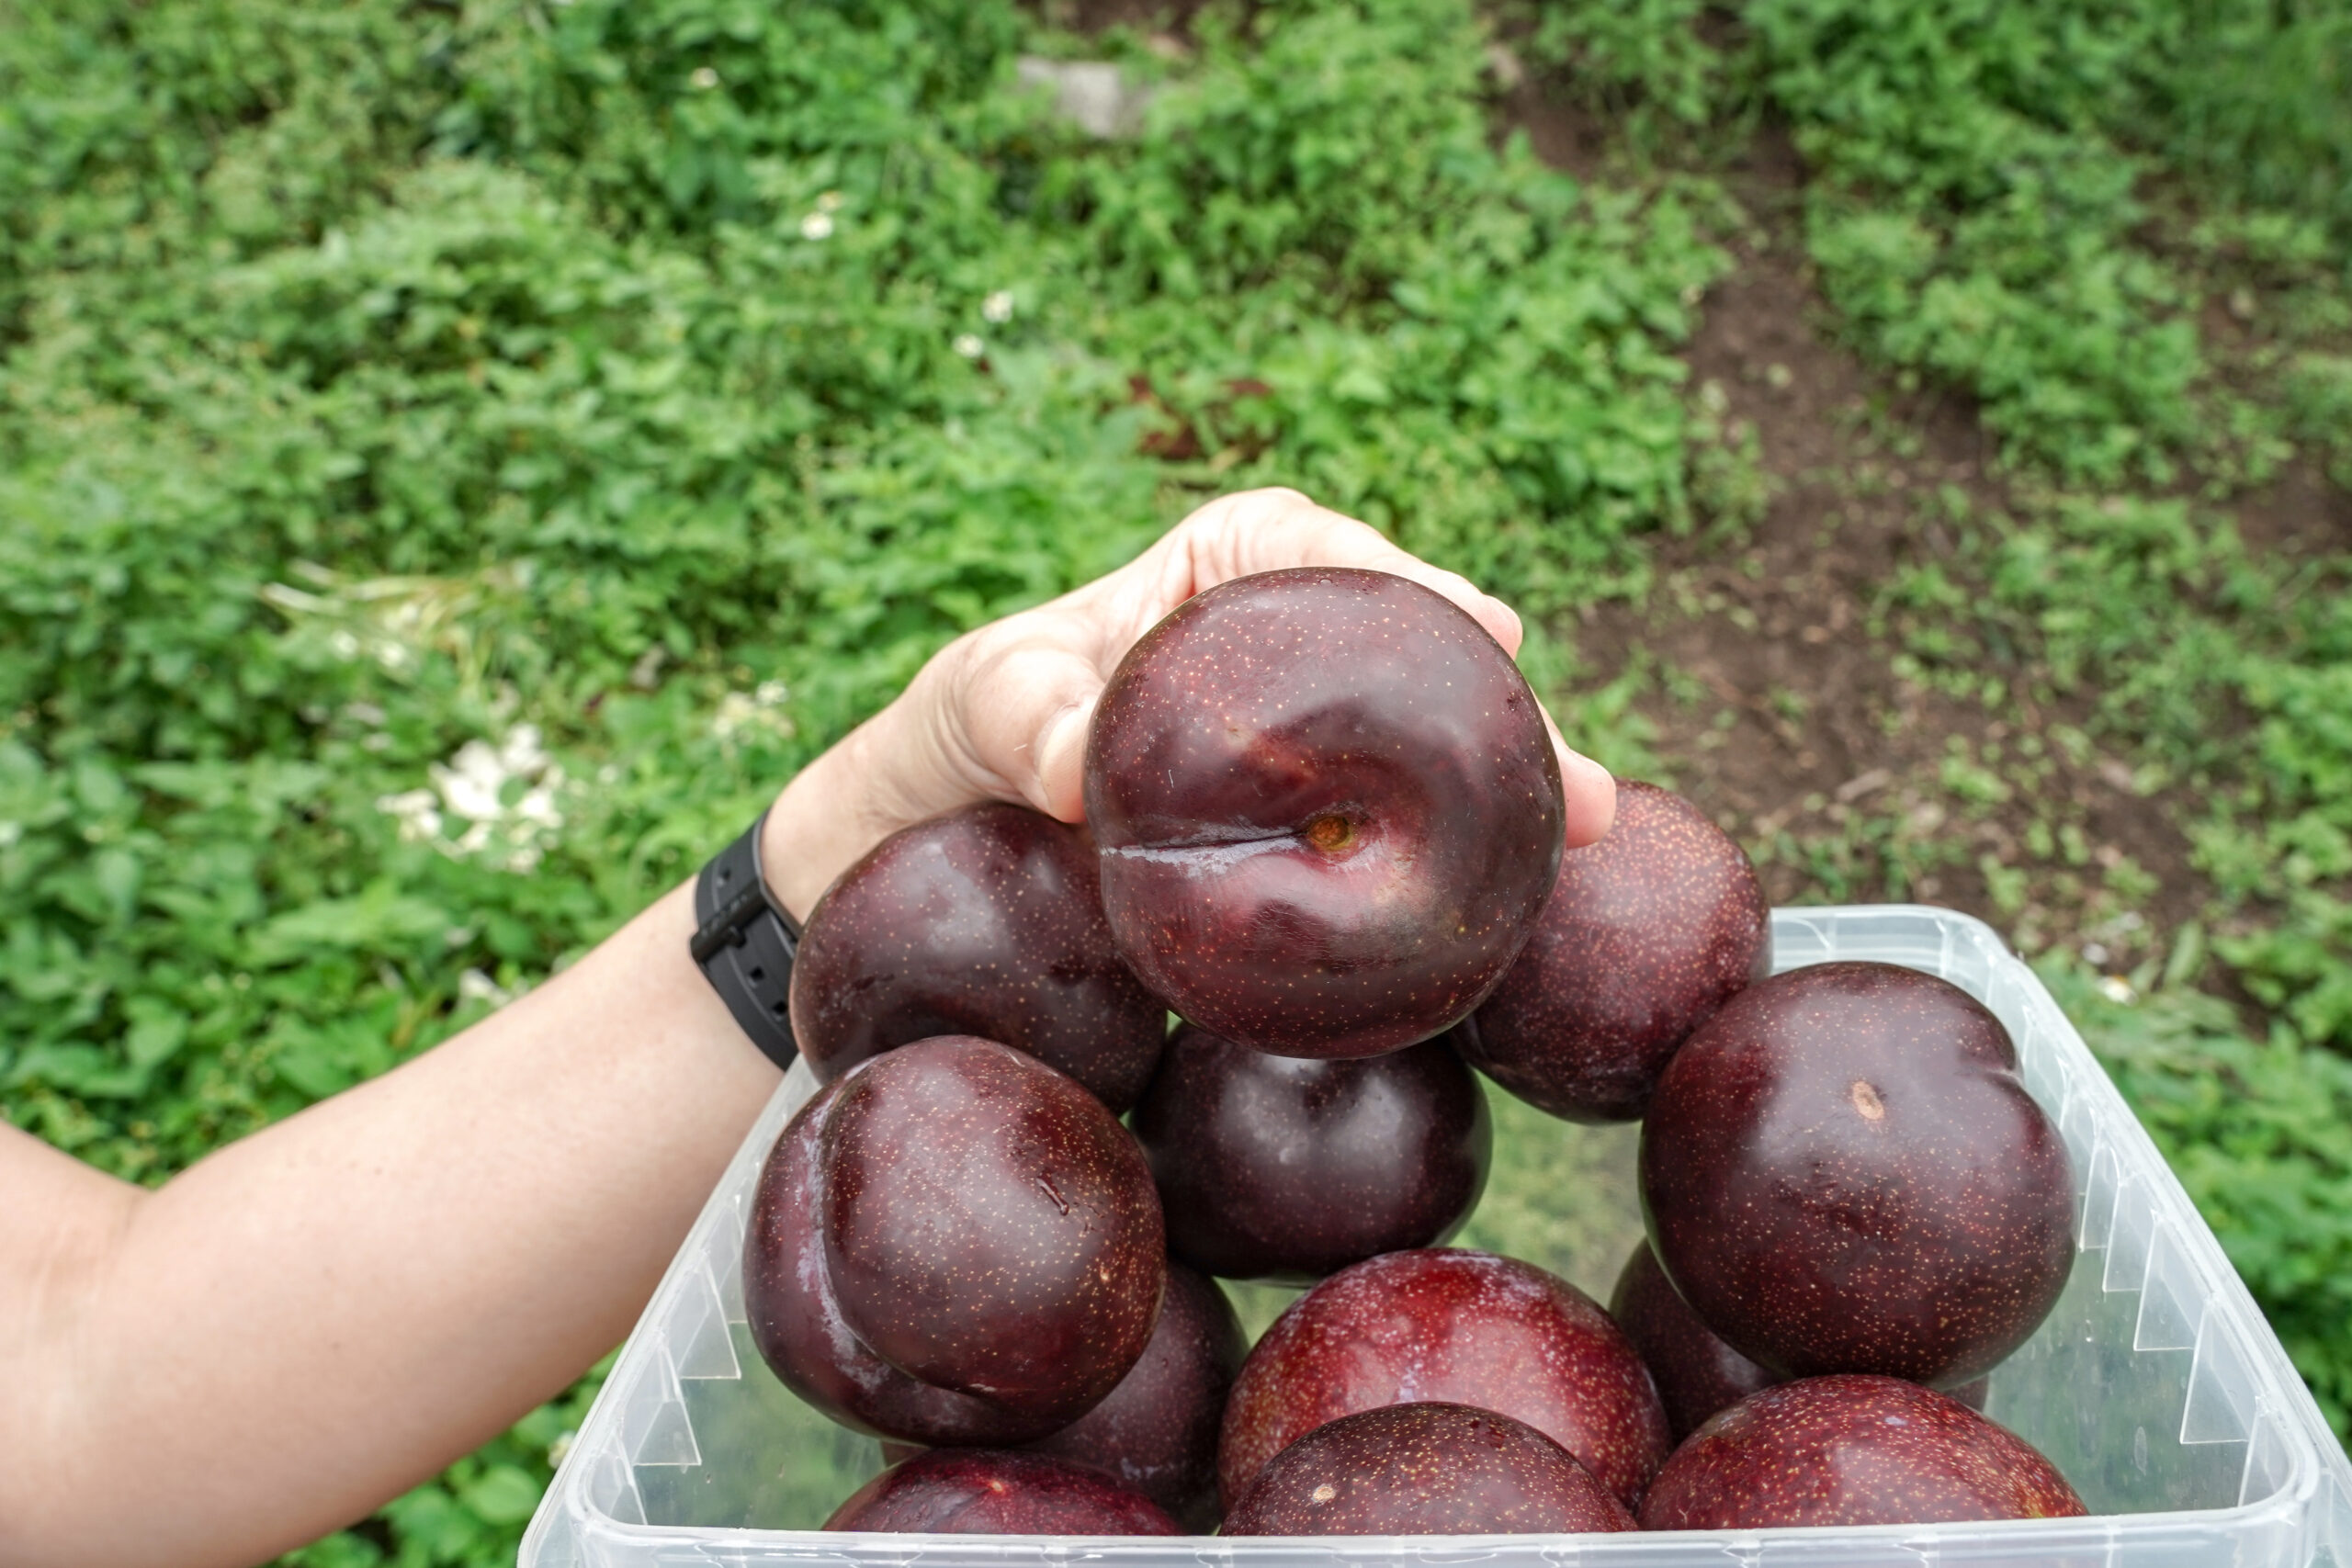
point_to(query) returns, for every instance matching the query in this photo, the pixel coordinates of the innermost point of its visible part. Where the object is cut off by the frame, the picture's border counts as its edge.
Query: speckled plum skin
(1697, 1373)
(1853, 1451)
(1157, 1431)
(988, 1227)
(986, 921)
(1288, 1168)
(1458, 1326)
(1328, 809)
(797, 1325)
(985, 1492)
(1425, 1469)
(1842, 1172)
(1646, 935)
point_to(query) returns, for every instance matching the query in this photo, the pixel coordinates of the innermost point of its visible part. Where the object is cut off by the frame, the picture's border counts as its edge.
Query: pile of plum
(1324, 829)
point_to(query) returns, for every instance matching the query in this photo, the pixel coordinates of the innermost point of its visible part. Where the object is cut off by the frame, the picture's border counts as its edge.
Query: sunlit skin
(316, 1317)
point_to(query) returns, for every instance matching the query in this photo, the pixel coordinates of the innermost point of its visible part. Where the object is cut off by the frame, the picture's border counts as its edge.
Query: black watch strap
(744, 942)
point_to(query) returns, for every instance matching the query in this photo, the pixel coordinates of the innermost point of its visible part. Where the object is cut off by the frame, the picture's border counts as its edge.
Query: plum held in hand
(1697, 1373)
(1425, 1469)
(1458, 1326)
(1288, 1168)
(1328, 812)
(953, 1244)
(986, 1492)
(1646, 935)
(1842, 1172)
(986, 921)
(1853, 1451)
(1157, 1431)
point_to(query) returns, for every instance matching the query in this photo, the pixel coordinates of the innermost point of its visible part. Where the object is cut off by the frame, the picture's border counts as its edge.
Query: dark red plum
(1425, 1469)
(1025, 1177)
(986, 1492)
(1853, 1451)
(1328, 812)
(1288, 1168)
(798, 1327)
(1157, 1430)
(988, 1227)
(1646, 935)
(1697, 1373)
(1456, 1326)
(1842, 1172)
(986, 921)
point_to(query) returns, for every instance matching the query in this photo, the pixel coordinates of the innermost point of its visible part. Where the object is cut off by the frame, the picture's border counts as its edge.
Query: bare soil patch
(1779, 706)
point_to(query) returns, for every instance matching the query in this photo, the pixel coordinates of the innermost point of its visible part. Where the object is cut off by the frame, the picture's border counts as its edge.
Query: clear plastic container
(2155, 1384)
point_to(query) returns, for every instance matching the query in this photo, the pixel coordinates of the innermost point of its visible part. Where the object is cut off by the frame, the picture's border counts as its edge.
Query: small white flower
(344, 644)
(997, 307)
(473, 986)
(469, 789)
(757, 709)
(969, 345)
(418, 811)
(2116, 988)
(2094, 953)
(521, 752)
(829, 202)
(817, 226)
(470, 782)
(703, 78)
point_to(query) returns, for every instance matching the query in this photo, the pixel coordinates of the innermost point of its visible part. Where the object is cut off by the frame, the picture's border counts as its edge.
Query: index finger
(1268, 530)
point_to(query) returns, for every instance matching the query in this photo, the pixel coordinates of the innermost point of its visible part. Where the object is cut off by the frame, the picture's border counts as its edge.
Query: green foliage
(1981, 204)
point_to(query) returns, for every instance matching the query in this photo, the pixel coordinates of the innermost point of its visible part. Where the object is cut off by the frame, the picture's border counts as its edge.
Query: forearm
(327, 1313)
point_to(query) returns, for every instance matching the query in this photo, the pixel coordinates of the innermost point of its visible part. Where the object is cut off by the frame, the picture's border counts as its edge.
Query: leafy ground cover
(457, 459)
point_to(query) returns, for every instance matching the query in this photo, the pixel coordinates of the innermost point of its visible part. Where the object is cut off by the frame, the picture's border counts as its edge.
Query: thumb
(1024, 708)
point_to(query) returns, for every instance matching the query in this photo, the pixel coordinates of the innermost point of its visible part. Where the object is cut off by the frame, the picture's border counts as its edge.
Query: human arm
(317, 1316)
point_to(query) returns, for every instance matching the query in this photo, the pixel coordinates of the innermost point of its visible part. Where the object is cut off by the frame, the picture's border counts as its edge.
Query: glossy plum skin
(1425, 1469)
(1025, 1181)
(986, 1492)
(1842, 1172)
(1853, 1451)
(1288, 1168)
(1456, 1326)
(1645, 935)
(1157, 1431)
(1328, 809)
(797, 1325)
(988, 1227)
(1697, 1373)
(986, 921)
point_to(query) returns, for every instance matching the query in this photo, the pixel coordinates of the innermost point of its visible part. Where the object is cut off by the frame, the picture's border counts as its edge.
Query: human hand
(1002, 712)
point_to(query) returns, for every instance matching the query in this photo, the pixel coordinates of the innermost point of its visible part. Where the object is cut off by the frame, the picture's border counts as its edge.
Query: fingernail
(1575, 768)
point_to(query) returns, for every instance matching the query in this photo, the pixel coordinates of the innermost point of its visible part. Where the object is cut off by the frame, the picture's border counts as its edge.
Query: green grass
(664, 379)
